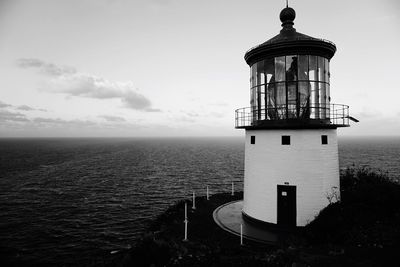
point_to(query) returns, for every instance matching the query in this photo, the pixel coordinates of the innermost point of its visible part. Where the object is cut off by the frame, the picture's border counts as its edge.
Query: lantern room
(290, 82)
(290, 87)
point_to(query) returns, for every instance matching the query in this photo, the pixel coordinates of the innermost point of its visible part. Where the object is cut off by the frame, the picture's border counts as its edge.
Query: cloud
(61, 122)
(25, 107)
(99, 88)
(191, 114)
(217, 114)
(8, 116)
(153, 110)
(48, 120)
(4, 105)
(22, 107)
(186, 119)
(68, 81)
(29, 108)
(110, 118)
(44, 67)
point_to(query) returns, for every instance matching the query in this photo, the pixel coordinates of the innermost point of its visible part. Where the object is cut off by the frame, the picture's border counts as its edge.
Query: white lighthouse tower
(291, 151)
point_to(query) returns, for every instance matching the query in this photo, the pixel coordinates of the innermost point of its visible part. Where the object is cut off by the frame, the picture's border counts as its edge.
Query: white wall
(312, 167)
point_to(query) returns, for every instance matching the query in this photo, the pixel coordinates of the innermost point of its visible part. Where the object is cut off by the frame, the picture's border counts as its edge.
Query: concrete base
(229, 217)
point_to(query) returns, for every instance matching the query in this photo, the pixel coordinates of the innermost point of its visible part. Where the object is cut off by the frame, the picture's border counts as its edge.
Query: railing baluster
(338, 114)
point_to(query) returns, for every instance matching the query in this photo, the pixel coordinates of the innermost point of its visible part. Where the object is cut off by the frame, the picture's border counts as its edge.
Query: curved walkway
(229, 217)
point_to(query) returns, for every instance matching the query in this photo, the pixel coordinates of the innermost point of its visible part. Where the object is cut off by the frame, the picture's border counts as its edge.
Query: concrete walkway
(229, 217)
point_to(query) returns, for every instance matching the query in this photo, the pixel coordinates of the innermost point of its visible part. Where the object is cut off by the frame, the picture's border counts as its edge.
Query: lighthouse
(291, 148)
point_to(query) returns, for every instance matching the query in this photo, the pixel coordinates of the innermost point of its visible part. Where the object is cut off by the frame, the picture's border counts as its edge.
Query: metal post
(233, 189)
(241, 234)
(186, 223)
(185, 210)
(194, 201)
(208, 196)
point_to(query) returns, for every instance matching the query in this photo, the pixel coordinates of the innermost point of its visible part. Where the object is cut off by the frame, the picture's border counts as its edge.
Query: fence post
(185, 210)
(194, 201)
(241, 234)
(186, 223)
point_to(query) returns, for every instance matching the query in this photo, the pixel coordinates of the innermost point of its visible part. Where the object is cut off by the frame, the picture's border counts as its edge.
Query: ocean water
(74, 201)
(381, 154)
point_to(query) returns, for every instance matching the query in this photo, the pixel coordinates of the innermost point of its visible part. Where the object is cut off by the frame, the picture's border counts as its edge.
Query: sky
(127, 68)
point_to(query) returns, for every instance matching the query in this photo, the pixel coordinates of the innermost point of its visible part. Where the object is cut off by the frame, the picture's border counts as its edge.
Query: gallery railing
(300, 39)
(333, 114)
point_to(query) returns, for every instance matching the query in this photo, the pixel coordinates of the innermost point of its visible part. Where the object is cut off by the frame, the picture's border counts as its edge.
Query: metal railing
(303, 38)
(333, 114)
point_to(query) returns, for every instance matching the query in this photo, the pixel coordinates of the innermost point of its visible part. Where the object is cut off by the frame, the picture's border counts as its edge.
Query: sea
(75, 201)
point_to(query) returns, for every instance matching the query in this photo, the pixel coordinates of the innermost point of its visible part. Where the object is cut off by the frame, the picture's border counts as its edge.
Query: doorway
(287, 211)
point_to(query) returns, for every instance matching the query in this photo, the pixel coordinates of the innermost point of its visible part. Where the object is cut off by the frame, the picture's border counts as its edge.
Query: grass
(363, 229)
(208, 244)
(365, 225)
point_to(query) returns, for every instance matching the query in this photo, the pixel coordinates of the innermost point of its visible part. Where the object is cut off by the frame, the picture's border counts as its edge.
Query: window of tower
(290, 87)
(285, 139)
(324, 139)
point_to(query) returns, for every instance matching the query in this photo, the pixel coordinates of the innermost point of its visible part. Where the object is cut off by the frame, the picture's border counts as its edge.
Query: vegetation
(362, 229)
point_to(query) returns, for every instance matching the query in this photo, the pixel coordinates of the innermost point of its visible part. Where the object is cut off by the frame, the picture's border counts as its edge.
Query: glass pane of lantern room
(304, 100)
(280, 69)
(260, 72)
(328, 101)
(291, 68)
(322, 101)
(269, 68)
(292, 99)
(253, 75)
(328, 94)
(326, 64)
(291, 78)
(261, 102)
(271, 101)
(312, 68)
(281, 100)
(303, 67)
(314, 100)
(258, 103)
(252, 97)
(253, 103)
(321, 68)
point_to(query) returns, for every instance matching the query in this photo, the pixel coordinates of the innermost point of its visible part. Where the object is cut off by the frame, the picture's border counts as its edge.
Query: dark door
(287, 205)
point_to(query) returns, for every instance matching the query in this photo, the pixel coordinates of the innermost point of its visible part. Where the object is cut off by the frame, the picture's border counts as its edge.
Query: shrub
(369, 201)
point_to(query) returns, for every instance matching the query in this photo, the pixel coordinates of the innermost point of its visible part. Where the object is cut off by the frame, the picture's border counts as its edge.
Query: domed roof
(289, 41)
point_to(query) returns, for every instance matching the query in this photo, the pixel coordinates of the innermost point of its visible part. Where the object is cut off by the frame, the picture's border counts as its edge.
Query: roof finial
(287, 16)
(287, 3)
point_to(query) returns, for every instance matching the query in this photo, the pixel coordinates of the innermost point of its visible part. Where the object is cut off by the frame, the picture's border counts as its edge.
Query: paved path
(229, 217)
